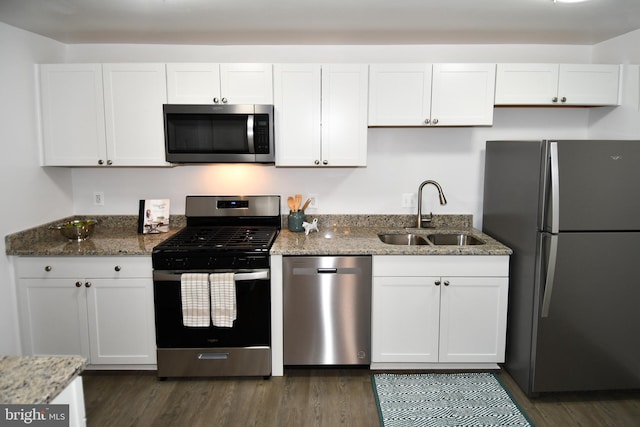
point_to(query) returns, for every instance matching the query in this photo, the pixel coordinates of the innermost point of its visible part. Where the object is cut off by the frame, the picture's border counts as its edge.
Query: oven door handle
(238, 277)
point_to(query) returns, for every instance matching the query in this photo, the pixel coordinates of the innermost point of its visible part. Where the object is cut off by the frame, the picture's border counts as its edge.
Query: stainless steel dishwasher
(327, 310)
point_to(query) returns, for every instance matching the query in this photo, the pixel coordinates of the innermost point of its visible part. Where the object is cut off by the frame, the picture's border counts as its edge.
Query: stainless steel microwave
(219, 133)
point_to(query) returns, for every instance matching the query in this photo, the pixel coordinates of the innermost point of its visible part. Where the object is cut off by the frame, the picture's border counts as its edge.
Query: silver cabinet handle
(435, 121)
(224, 100)
(101, 162)
(109, 162)
(437, 282)
(446, 283)
(87, 285)
(427, 121)
(563, 99)
(216, 100)
(117, 268)
(317, 162)
(48, 268)
(554, 99)
(325, 162)
(78, 284)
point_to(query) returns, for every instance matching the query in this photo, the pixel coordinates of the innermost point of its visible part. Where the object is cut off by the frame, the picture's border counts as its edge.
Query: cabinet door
(73, 128)
(405, 319)
(297, 106)
(53, 317)
(197, 83)
(134, 94)
(462, 94)
(588, 84)
(526, 84)
(473, 319)
(121, 321)
(246, 83)
(399, 94)
(344, 114)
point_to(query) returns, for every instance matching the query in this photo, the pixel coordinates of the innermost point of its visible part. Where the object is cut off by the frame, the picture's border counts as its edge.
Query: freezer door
(588, 338)
(598, 185)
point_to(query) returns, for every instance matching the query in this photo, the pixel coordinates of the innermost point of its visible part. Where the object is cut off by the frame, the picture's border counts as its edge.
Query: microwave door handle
(250, 141)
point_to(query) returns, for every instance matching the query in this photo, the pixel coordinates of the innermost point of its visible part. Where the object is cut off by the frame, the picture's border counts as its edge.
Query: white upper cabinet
(557, 84)
(102, 115)
(134, 94)
(321, 114)
(431, 95)
(462, 94)
(204, 83)
(72, 106)
(400, 94)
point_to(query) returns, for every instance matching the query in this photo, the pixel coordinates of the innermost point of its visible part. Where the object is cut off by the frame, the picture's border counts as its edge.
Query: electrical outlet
(408, 200)
(98, 198)
(314, 201)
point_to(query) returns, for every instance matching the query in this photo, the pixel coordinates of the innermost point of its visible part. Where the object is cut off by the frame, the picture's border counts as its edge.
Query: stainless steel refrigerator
(570, 210)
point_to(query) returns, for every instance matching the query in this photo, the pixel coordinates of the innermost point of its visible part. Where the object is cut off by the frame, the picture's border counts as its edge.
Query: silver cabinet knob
(117, 268)
(109, 162)
(554, 99)
(563, 99)
(216, 100)
(48, 268)
(78, 284)
(325, 162)
(87, 285)
(427, 121)
(101, 162)
(224, 100)
(437, 282)
(446, 283)
(434, 121)
(317, 162)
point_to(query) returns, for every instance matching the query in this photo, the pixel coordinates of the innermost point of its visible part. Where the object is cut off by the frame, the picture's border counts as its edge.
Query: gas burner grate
(248, 238)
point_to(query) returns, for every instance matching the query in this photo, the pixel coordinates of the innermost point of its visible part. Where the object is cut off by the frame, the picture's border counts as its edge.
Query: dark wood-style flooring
(306, 397)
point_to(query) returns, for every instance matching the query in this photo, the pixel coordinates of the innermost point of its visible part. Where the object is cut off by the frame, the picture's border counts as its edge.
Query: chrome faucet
(443, 201)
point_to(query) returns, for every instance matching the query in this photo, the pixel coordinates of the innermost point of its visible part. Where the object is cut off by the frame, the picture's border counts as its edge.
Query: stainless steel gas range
(212, 289)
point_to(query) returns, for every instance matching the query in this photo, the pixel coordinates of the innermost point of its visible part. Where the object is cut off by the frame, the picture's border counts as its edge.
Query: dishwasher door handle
(327, 270)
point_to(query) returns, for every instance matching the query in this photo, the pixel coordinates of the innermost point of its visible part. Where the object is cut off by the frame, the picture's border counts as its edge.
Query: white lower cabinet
(439, 311)
(97, 307)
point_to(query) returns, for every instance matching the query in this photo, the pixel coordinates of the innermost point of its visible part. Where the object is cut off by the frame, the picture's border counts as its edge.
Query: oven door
(252, 326)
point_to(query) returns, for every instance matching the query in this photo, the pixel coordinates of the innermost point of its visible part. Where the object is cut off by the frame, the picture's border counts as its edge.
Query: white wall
(30, 194)
(398, 159)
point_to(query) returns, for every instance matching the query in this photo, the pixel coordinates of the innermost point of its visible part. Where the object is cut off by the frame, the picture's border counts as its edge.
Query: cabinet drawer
(441, 265)
(82, 267)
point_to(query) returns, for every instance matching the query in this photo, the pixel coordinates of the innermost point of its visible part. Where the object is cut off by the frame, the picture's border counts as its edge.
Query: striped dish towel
(223, 299)
(194, 290)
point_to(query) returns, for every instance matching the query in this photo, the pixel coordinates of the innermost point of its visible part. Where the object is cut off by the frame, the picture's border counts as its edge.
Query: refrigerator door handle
(555, 187)
(551, 272)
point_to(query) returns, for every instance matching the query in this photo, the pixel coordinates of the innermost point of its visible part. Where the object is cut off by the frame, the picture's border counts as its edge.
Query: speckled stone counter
(112, 236)
(358, 235)
(34, 380)
(339, 235)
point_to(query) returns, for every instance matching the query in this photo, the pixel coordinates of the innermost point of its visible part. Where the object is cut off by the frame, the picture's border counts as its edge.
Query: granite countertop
(360, 237)
(34, 380)
(114, 235)
(339, 235)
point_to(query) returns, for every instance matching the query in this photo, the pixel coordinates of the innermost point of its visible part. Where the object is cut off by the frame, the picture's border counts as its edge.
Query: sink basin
(403, 239)
(454, 239)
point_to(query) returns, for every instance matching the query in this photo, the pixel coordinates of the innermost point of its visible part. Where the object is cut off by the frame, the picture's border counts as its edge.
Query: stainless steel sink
(460, 239)
(402, 239)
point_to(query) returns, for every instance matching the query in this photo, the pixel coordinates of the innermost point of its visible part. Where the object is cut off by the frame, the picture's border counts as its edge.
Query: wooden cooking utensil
(291, 203)
(298, 200)
(306, 205)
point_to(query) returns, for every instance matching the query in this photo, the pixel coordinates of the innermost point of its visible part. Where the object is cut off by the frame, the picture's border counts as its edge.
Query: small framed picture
(154, 216)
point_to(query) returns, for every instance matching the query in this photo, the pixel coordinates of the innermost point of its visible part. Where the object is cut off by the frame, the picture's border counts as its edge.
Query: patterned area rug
(470, 399)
